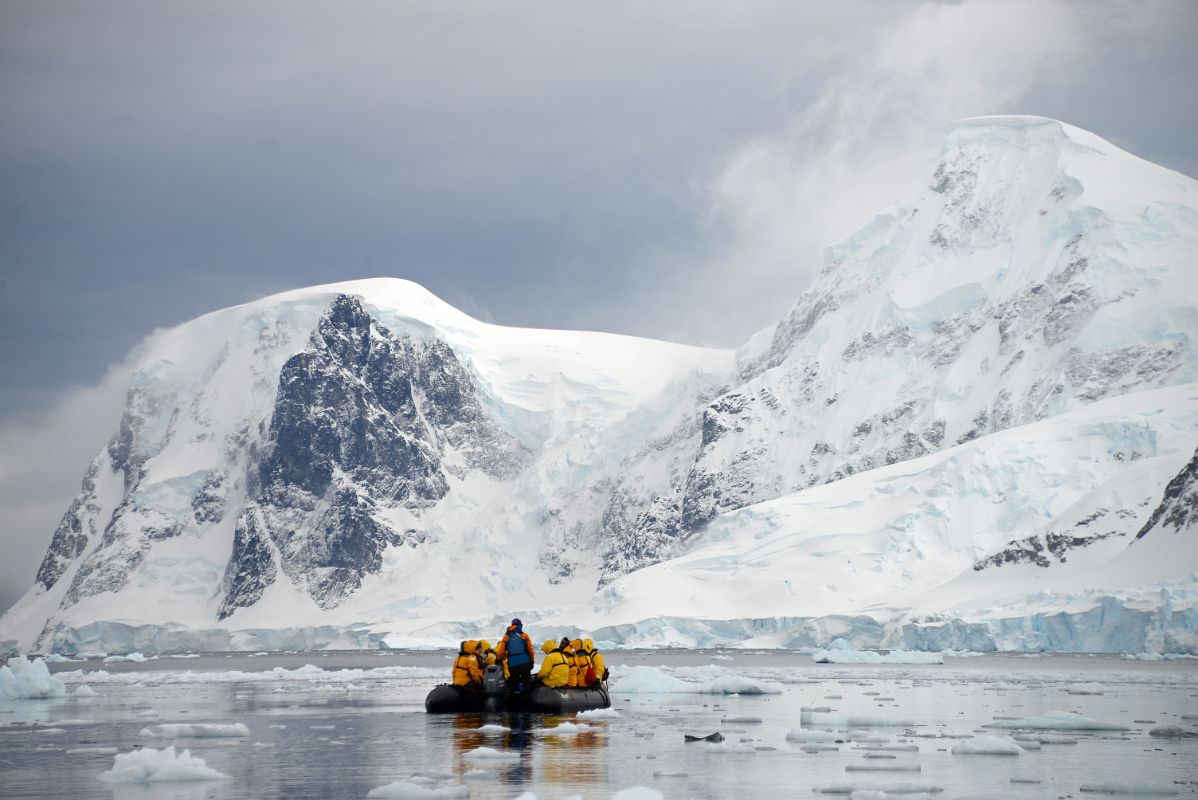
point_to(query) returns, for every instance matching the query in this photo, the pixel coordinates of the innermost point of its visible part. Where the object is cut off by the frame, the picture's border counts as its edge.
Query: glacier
(976, 430)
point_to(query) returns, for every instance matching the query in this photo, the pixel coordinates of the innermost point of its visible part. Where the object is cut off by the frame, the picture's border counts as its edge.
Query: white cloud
(41, 464)
(866, 141)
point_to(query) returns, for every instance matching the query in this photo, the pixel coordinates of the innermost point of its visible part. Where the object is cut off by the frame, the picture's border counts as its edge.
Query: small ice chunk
(882, 768)
(1086, 688)
(410, 790)
(888, 788)
(836, 656)
(650, 680)
(817, 709)
(84, 691)
(196, 730)
(134, 658)
(22, 679)
(151, 766)
(598, 713)
(890, 748)
(566, 729)
(1173, 731)
(742, 720)
(492, 728)
(807, 735)
(80, 751)
(814, 718)
(1056, 721)
(820, 748)
(637, 793)
(730, 748)
(987, 745)
(1130, 787)
(490, 754)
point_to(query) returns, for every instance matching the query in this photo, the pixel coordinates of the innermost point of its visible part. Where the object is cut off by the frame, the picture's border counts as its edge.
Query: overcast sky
(663, 169)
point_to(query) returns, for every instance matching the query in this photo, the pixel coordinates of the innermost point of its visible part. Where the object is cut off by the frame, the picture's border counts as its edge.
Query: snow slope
(952, 440)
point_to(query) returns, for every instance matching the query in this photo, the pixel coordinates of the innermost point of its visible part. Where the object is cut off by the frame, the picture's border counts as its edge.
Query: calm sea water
(339, 734)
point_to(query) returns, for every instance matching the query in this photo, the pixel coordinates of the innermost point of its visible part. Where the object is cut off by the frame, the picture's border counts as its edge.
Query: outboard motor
(494, 688)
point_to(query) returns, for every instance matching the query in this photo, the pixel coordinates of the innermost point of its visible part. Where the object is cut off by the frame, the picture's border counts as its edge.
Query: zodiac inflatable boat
(494, 696)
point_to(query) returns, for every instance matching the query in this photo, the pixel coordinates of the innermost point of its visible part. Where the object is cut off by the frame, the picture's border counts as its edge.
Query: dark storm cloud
(665, 169)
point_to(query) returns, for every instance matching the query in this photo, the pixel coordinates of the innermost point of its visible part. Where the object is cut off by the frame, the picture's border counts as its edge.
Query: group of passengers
(568, 663)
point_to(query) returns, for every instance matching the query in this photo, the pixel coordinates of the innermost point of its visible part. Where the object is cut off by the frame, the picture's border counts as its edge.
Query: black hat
(517, 622)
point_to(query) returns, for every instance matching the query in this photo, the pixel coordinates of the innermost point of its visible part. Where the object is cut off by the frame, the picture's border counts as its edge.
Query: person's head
(588, 644)
(484, 645)
(549, 646)
(516, 623)
(564, 643)
(576, 644)
(469, 645)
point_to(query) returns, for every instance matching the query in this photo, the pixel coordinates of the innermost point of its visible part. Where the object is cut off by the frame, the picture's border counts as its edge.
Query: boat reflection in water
(544, 757)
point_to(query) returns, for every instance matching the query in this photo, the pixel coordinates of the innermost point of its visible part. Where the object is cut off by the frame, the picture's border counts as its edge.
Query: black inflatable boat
(494, 696)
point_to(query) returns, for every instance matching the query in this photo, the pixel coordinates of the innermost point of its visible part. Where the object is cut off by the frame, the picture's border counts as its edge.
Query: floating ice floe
(839, 651)
(834, 720)
(84, 691)
(151, 766)
(22, 679)
(637, 793)
(490, 754)
(598, 713)
(195, 730)
(100, 751)
(883, 768)
(493, 728)
(309, 674)
(731, 748)
(987, 746)
(410, 790)
(651, 680)
(808, 736)
(1086, 688)
(1044, 738)
(887, 788)
(132, 658)
(567, 729)
(1130, 787)
(1174, 731)
(1056, 721)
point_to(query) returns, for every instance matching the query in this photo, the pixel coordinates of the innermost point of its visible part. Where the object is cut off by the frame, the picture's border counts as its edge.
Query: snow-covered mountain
(974, 430)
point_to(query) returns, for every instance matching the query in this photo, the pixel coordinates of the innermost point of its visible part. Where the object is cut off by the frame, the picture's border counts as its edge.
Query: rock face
(1178, 510)
(363, 421)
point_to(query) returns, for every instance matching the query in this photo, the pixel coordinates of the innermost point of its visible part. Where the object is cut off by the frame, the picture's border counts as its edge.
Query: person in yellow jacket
(568, 652)
(487, 655)
(581, 662)
(555, 669)
(466, 669)
(596, 659)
